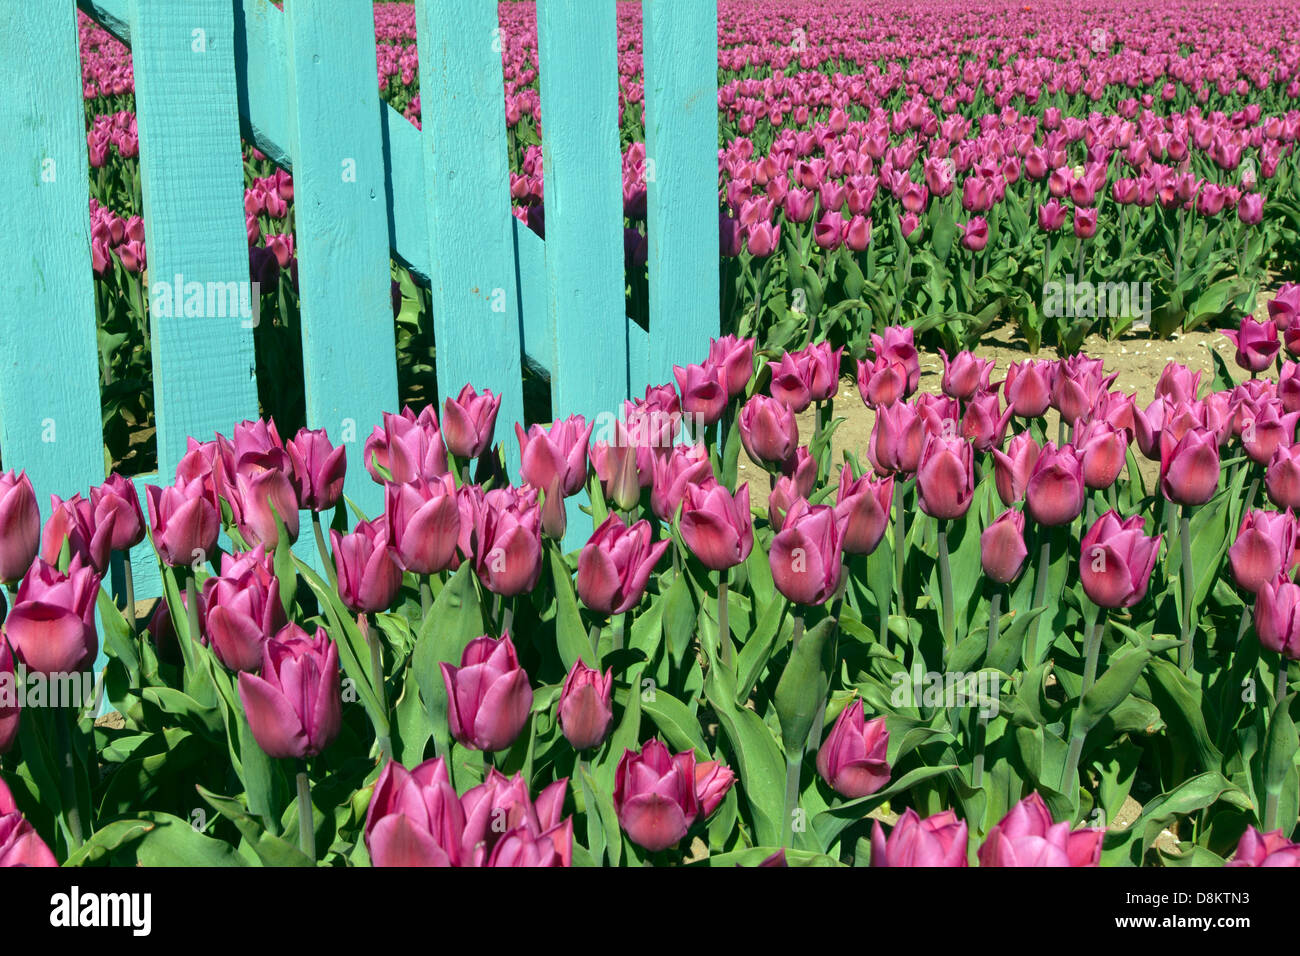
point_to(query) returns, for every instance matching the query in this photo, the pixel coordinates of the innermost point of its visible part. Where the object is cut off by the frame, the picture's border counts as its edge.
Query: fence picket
(192, 176)
(49, 382)
(344, 276)
(680, 65)
(467, 197)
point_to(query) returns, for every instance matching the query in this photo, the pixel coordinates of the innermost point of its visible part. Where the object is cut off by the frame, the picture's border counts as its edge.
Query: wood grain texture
(577, 43)
(680, 50)
(467, 200)
(344, 277)
(192, 177)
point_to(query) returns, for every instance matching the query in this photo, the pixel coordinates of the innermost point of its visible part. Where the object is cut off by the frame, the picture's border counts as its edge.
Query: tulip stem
(977, 768)
(324, 551)
(1089, 675)
(377, 678)
(618, 631)
(128, 586)
(793, 771)
(192, 606)
(945, 590)
(1189, 588)
(67, 771)
(900, 533)
(1040, 592)
(426, 597)
(1279, 702)
(306, 828)
(724, 627)
(798, 632)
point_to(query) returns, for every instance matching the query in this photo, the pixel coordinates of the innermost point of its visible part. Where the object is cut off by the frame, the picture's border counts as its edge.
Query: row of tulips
(688, 700)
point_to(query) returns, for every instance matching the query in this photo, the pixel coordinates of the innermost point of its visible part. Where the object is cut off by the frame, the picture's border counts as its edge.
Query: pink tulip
(768, 431)
(318, 469)
(10, 708)
(73, 522)
(585, 709)
(51, 625)
(1257, 343)
(1028, 387)
(897, 346)
(674, 472)
(964, 374)
(406, 447)
(1277, 616)
(183, 522)
(504, 827)
(241, 609)
(615, 565)
(560, 453)
(984, 423)
(1282, 477)
(1116, 560)
(1284, 307)
(422, 521)
(805, 555)
(1265, 429)
(262, 496)
(1002, 547)
(294, 707)
(945, 480)
(415, 817)
(468, 421)
(367, 566)
(1026, 836)
(716, 526)
(854, 757)
(735, 356)
(1103, 452)
(712, 783)
(1012, 468)
(506, 530)
(897, 439)
(1189, 467)
(1055, 492)
(1264, 548)
(862, 507)
(20, 844)
(939, 840)
(654, 795)
(488, 695)
(116, 504)
(704, 393)
(1178, 383)
(1265, 849)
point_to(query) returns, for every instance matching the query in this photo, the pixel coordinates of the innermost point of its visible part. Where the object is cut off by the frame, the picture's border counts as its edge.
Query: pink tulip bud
(1282, 477)
(854, 757)
(984, 423)
(506, 528)
(939, 840)
(682, 466)
(712, 783)
(116, 504)
(768, 431)
(1028, 387)
(964, 374)
(1257, 343)
(1265, 849)
(1002, 547)
(898, 346)
(368, 571)
(862, 507)
(1026, 836)
(406, 447)
(468, 421)
(615, 565)
(10, 708)
(1103, 452)
(1116, 560)
(73, 522)
(1277, 616)
(20, 844)
(1012, 468)
(415, 817)
(1054, 494)
(716, 526)
(1178, 383)
(20, 525)
(586, 712)
(1189, 467)
(897, 439)
(704, 393)
(945, 479)
(560, 452)
(1265, 428)
(183, 522)
(488, 696)
(422, 520)
(805, 556)
(735, 357)
(1264, 548)
(504, 827)
(1284, 308)
(318, 469)
(241, 609)
(294, 707)
(654, 795)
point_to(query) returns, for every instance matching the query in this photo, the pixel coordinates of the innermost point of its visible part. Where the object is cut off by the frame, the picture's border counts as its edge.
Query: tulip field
(1009, 615)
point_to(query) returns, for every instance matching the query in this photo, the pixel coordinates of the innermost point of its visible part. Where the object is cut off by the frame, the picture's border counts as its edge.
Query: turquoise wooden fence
(300, 85)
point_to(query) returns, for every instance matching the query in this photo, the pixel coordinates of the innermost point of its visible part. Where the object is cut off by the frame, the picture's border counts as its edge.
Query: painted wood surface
(344, 277)
(467, 199)
(191, 173)
(680, 64)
